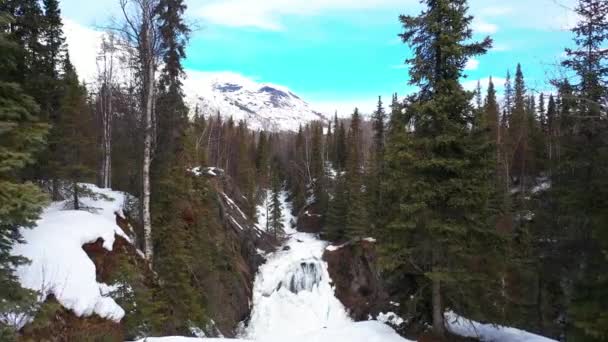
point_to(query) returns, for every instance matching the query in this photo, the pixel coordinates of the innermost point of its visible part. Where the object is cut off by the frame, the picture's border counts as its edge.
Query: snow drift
(59, 266)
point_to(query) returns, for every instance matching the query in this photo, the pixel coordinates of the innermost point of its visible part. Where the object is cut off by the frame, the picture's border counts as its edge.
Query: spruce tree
(276, 215)
(74, 137)
(357, 223)
(580, 185)
(441, 170)
(335, 221)
(376, 172)
(21, 135)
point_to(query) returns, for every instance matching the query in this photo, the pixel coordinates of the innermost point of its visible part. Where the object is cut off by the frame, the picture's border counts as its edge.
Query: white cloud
(500, 48)
(345, 108)
(472, 64)
(495, 11)
(472, 84)
(268, 14)
(83, 44)
(481, 26)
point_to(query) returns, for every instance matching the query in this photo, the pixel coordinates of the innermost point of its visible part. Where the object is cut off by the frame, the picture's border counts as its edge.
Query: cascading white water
(292, 292)
(303, 277)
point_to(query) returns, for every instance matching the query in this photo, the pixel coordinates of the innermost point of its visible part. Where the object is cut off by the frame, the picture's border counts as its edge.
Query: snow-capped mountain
(263, 106)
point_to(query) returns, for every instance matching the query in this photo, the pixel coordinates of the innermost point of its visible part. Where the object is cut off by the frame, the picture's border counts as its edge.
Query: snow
(210, 171)
(293, 298)
(60, 266)
(263, 209)
(234, 206)
(390, 317)
(488, 332)
(263, 106)
(292, 291)
(543, 186)
(370, 331)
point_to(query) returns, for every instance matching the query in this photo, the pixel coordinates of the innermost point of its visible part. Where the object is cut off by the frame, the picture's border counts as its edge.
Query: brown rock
(352, 268)
(310, 220)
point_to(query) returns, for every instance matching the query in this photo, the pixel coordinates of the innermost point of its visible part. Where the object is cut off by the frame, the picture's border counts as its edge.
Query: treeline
(128, 129)
(492, 205)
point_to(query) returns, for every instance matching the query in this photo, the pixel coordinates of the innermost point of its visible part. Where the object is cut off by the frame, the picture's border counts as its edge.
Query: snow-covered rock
(263, 106)
(488, 332)
(59, 266)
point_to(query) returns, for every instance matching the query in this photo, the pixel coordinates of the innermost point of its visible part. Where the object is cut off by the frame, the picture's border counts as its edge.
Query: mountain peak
(264, 106)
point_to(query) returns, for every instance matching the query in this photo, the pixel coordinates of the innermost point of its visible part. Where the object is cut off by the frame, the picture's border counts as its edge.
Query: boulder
(355, 276)
(310, 220)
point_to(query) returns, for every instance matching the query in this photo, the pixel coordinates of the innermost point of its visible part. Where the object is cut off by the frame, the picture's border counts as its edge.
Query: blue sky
(338, 54)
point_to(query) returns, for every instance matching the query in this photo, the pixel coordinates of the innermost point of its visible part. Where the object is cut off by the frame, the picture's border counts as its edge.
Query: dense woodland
(491, 204)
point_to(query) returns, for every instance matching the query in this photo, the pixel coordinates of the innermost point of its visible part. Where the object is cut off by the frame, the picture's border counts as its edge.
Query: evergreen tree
(395, 123)
(74, 137)
(48, 89)
(276, 215)
(335, 221)
(508, 101)
(377, 169)
(519, 133)
(341, 150)
(580, 185)
(357, 224)
(21, 135)
(441, 170)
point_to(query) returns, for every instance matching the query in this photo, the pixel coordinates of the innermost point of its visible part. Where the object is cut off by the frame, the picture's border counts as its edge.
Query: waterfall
(303, 277)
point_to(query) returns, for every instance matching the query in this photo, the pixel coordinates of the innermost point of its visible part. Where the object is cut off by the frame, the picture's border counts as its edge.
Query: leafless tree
(141, 39)
(106, 77)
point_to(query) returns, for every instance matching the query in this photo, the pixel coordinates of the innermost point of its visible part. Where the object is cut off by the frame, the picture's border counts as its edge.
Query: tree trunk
(438, 327)
(148, 59)
(76, 200)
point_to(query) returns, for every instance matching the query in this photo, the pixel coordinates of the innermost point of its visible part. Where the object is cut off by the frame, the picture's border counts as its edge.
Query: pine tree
(74, 138)
(377, 170)
(508, 101)
(335, 221)
(49, 91)
(357, 223)
(396, 122)
(21, 135)
(276, 215)
(519, 132)
(580, 185)
(441, 170)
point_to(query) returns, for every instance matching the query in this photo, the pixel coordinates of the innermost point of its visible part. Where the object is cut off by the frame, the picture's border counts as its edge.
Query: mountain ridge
(264, 106)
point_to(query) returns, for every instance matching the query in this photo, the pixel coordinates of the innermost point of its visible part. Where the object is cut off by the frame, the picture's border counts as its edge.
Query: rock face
(57, 324)
(227, 283)
(309, 220)
(229, 291)
(352, 268)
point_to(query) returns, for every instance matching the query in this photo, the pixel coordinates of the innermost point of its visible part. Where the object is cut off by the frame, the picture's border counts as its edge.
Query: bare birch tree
(141, 37)
(106, 77)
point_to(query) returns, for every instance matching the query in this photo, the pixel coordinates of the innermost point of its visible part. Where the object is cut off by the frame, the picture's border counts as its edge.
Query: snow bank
(370, 331)
(59, 265)
(488, 332)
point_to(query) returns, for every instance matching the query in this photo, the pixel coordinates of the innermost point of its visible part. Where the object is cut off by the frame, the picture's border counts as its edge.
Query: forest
(485, 204)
